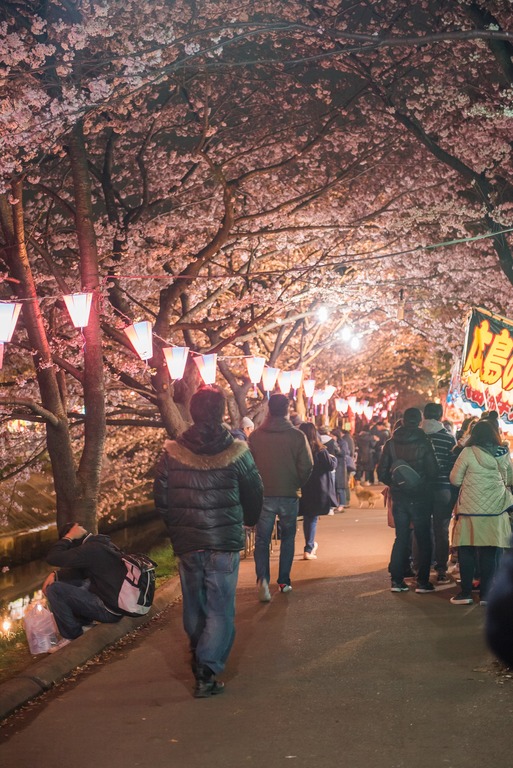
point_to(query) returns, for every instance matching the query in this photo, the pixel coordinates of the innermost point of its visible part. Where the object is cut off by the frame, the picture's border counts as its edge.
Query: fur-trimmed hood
(188, 458)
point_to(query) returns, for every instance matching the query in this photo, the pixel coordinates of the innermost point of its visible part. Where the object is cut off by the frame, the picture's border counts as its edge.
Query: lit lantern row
(140, 336)
(78, 305)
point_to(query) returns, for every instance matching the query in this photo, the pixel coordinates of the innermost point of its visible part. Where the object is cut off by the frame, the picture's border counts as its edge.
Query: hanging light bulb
(269, 376)
(284, 381)
(255, 366)
(207, 366)
(176, 358)
(79, 308)
(140, 336)
(355, 343)
(309, 387)
(322, 314)
(9, 312)
(346, 333)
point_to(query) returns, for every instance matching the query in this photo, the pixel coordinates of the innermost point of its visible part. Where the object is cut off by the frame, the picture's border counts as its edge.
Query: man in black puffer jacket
(411, 444)
(207, 488)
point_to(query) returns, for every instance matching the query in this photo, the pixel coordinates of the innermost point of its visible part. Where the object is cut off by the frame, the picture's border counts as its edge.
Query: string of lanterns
(140, 335)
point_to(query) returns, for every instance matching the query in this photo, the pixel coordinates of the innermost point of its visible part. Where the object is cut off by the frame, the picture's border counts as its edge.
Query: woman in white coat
(480, 526)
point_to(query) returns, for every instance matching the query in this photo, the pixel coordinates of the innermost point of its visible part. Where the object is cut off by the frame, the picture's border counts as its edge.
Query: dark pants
(409, 512)
(442, 504)
(73, 606)
(469, 558)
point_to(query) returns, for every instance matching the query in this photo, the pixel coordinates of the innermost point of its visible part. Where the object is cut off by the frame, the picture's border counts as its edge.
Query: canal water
(19, 585)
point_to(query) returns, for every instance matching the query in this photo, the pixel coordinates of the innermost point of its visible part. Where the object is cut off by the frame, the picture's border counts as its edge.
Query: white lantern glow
(329, 391)
(295, 379)
(309, 387)
(176, 359)
(355, 343)
(140, 336)
(368, 411)
(318, 397)
(341, 404)
(207, 366)
(255, 366)
(269, 376)
(346, 332)
(284, 382)
(79, 308)
(9, 312)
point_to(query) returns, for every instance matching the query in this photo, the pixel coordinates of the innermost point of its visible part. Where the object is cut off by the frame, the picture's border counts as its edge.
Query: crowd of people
(449, 497)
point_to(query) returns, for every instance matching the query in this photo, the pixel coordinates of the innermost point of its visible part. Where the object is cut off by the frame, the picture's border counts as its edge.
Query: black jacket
(206, 497)
(414, 446)
(96, 558)
(318, 494)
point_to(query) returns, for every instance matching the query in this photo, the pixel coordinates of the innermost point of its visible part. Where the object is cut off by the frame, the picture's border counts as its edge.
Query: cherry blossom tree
(225, 172)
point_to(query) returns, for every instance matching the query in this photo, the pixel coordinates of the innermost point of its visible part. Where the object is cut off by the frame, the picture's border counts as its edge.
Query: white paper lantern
(140, 335)
(9, 312)
(269, 376)
(284, 382)
(295, 379)
(79, 308)
(309, 387)
(207, 366)
(255, 366)
(176, 359)
(341, 404)
(329, 390)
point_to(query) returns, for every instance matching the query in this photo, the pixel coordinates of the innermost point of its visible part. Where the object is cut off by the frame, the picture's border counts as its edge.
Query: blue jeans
(405, 512)
(209, 580)
(341, 496)
(309, 528)
(73, 605)
(286, 508)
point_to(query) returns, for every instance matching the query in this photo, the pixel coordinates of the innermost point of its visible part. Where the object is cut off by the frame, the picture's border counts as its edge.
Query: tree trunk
(89, 472)
(57, 431)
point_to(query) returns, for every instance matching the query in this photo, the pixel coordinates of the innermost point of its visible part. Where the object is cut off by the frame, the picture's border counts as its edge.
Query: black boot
(206, 684)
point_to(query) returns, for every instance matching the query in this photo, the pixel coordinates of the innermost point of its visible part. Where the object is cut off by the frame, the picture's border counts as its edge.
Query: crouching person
(207, 488)
(86, 587)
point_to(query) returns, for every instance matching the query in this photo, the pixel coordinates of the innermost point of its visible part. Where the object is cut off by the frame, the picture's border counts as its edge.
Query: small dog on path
(366, 495)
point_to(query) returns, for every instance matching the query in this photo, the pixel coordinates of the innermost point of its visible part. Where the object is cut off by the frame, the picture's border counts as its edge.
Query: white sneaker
(315, 548)
(263, 591)
(309, 556)
(285, 588)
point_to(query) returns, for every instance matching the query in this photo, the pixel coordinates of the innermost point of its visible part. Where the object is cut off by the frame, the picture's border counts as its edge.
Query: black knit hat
(207, 405)
(278, 405)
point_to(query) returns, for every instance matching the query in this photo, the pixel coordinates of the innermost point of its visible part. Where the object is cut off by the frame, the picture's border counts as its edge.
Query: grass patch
(167, 566)
(14, 652)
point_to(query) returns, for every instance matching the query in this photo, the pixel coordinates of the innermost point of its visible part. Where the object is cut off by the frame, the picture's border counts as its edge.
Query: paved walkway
(340, 672)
